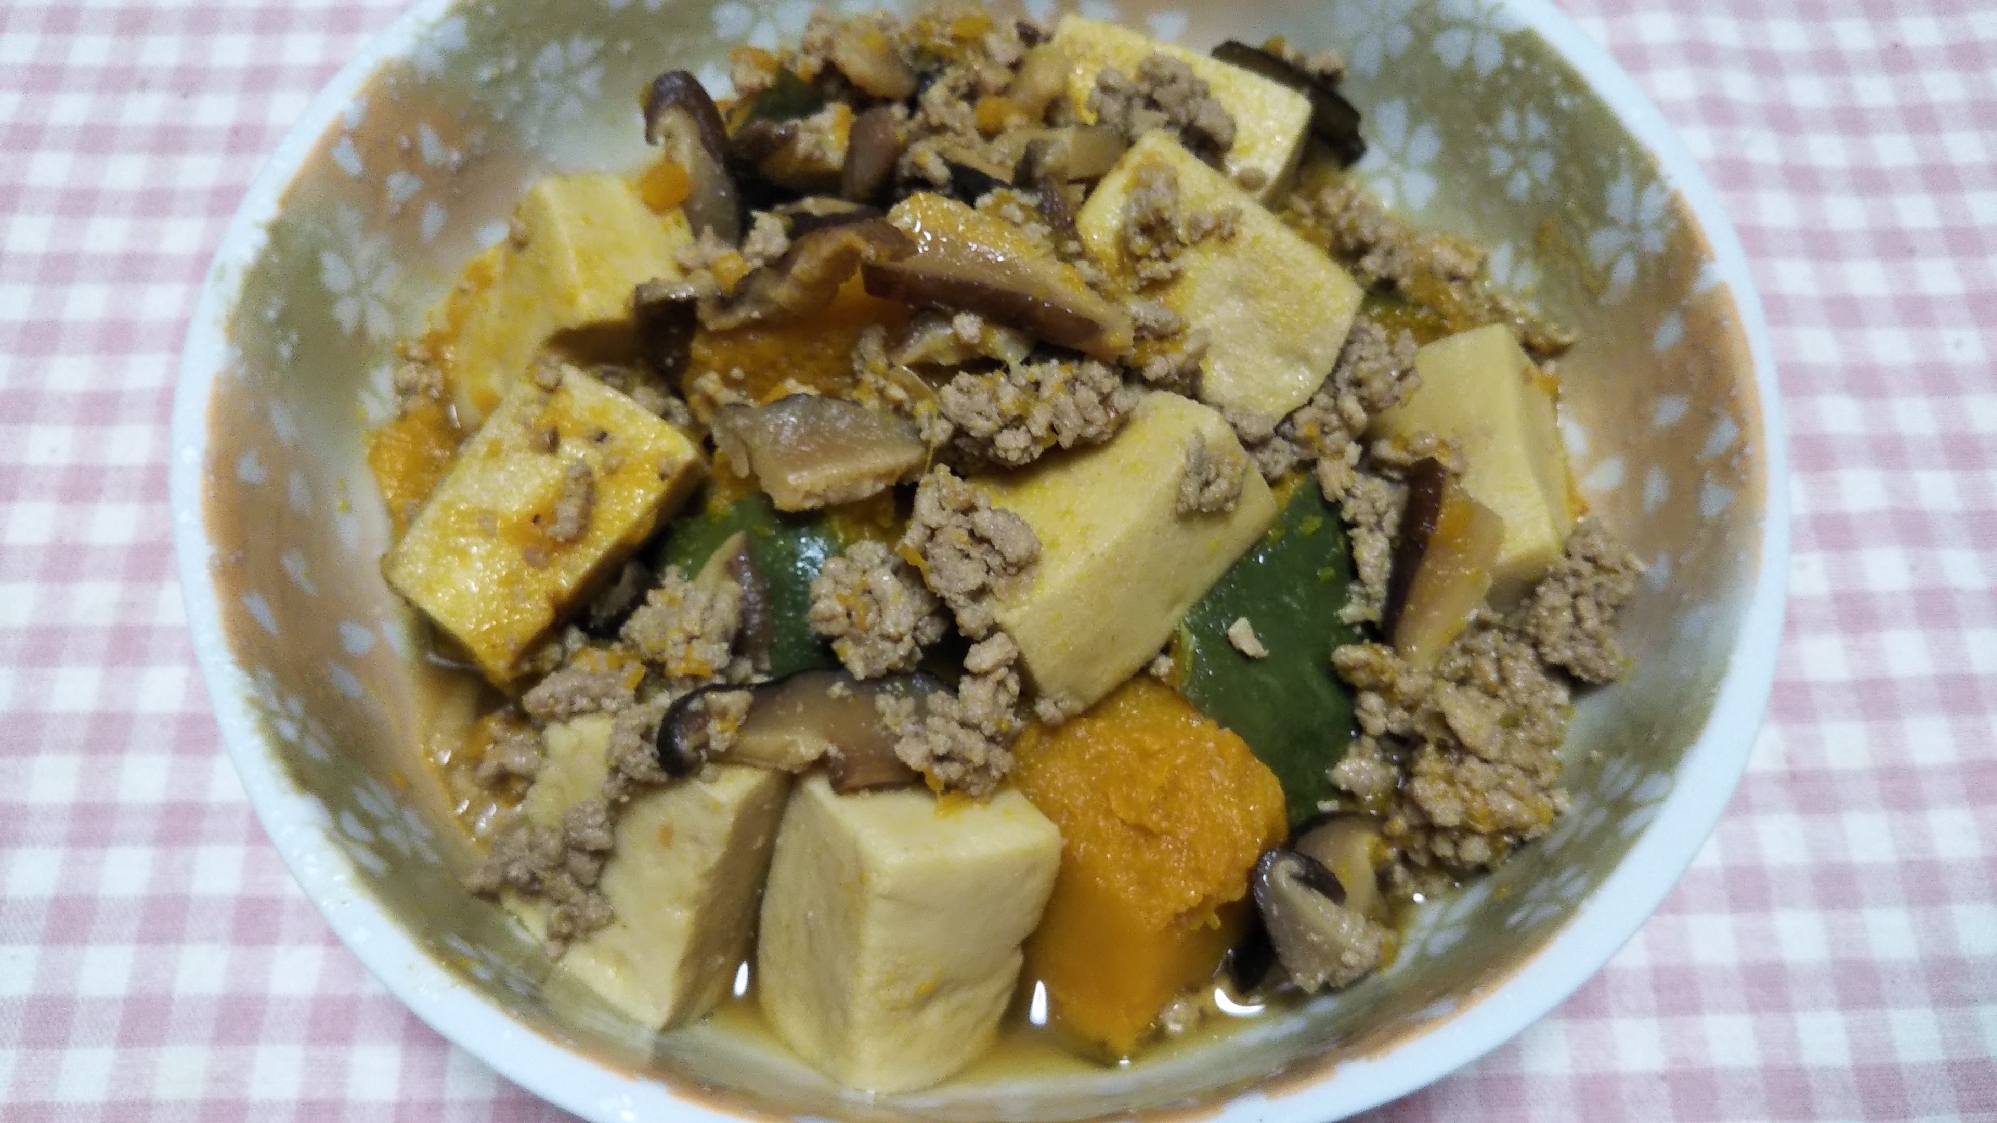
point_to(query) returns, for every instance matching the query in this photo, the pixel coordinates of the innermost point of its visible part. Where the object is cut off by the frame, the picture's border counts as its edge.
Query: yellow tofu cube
(1119, 565)
(582, 243)
(482, 558)
(892, 925)
(683, 881)
(1270, 119)
(1275, 308)
(1479, 388)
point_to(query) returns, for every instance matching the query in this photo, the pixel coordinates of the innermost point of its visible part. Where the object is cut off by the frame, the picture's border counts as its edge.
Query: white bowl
(1490, 117)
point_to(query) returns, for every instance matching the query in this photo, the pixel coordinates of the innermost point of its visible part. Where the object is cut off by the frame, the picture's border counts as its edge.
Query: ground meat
(1460, 761)
(969, 548)
(1242, 635)
(1372, 506)
(1165, 94)
(767, 240)
(515, 752)
(1157, 228)
(875, 610)
(1382, 250)
(1211, 480)
(1009, 417)
(1571, 613)
(417, 377)
(944, 123)
(587, 685)
(573, 503)
(633, 753)
(561, 866)
(687, 630)
(964, 740)
(1375, 371)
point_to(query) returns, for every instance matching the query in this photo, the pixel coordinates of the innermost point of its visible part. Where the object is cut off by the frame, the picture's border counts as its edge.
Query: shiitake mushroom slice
(809, 451)
(684, 741)
(1320, 941)
(809, 274)
(682, 119)
(665, 315)
(1334, 120)
(1443, 560)
(606, 613)
(873, 146)
(831, 717)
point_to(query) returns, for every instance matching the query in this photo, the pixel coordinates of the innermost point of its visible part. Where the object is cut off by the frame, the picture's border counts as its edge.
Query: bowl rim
(1706, 777)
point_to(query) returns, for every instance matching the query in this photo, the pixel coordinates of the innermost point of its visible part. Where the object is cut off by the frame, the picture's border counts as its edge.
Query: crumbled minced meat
(945, 118)
(573, 503)
(766, 241)
(969, 548)
(1382, 250)
(1372, 507)
(561, 866)
(1164, 94)
(875, 610)
(1375, 372)
(515, 752)
(1470, 749)
(1011, 416)
(417, 377)
(1157, 228)
(1461, 762)
(587, 685)
(1571, 613)
(1242, 635)
(964, 740)
(687, 630)
(1211, 480)
(633, 752)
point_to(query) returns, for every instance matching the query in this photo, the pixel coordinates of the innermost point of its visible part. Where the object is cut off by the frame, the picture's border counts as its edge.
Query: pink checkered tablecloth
(1832, 954)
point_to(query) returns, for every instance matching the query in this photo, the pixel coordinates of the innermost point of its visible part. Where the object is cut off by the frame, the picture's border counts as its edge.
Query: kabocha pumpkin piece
(1274, 308)
(1290, 707)
(1162, 815)
(1479, 389)
(762, 362)
(788, 551)
(540, 508)
(581, 243)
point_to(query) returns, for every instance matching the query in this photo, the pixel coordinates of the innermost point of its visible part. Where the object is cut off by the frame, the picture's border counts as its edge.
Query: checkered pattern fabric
(1831, 955)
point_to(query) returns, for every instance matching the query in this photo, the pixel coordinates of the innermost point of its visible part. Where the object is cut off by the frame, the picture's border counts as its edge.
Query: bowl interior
(1478, 126)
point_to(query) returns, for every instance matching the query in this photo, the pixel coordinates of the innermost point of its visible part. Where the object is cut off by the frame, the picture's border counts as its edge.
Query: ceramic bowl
(1495, 119)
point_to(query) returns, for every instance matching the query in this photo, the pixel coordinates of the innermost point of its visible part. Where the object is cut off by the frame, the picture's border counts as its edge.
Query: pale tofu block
(683, 882)
(1118, 564)
(892, 925)
(1275, 308)
(584, 242)
(1479, 388)
(1270, 119)
(478, 558)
